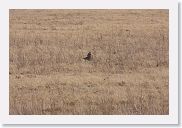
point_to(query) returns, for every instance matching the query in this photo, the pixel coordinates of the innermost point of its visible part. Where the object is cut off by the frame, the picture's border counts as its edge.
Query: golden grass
(128, 73)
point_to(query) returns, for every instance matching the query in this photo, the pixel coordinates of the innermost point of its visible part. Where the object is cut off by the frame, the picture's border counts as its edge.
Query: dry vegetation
(127, 75)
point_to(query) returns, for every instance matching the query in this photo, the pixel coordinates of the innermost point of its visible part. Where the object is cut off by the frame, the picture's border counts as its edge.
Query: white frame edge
(172, 118)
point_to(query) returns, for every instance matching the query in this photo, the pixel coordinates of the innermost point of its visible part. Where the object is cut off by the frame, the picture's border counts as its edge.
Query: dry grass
(128, 73)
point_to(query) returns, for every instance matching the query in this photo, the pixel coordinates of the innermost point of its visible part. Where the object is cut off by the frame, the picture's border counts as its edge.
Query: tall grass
(48, 42)
(38, 47)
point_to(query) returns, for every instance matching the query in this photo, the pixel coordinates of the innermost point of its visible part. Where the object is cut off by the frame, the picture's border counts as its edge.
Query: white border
(172, 5)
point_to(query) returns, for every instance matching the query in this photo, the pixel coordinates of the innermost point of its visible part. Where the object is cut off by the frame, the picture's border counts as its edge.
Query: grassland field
(127, 75)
